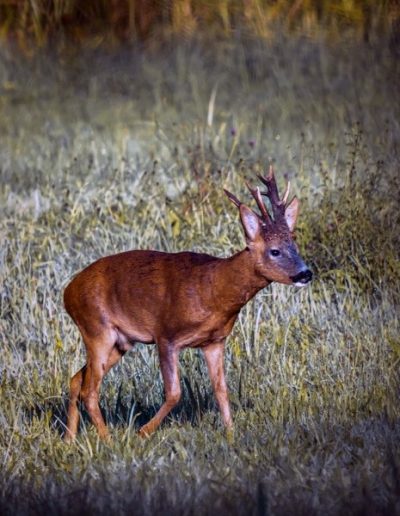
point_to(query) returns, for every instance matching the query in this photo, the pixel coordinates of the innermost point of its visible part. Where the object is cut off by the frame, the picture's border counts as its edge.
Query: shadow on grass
(123, 413)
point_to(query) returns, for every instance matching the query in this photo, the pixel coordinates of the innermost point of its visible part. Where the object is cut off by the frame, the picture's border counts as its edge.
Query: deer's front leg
(169, 370)
(214, 355)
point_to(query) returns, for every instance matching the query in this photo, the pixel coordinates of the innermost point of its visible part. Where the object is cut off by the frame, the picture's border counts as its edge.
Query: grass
(33, 24)
(129, 150)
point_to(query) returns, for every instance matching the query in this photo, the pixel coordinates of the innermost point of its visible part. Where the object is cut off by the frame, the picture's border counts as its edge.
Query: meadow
(113, 150)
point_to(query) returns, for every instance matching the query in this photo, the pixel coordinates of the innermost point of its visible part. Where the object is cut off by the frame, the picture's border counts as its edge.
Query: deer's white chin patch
(300, 284)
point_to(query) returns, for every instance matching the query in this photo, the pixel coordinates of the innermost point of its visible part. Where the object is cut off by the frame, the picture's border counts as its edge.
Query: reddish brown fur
(174, 301)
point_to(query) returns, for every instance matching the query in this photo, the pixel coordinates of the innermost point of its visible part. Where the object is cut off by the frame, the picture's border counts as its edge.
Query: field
(107, 151)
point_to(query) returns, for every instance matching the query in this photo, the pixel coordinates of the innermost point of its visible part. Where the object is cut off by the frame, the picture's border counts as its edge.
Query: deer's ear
(291, 213)
(250, 221)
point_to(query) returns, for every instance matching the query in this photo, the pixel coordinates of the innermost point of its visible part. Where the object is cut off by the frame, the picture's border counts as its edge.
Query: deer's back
(144, 293)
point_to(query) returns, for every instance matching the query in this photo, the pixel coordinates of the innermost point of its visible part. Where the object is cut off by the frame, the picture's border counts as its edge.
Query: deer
(177, 301)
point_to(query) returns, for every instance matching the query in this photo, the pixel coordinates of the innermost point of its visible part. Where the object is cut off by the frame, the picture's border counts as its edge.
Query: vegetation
(38, 23)
(106, 152)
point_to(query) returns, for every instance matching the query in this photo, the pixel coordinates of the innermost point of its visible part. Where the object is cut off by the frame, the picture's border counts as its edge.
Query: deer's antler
(278, 205)
(255, 192)
(233, 198)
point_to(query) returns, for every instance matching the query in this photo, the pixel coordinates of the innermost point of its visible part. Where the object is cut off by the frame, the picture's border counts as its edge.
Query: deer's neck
(237, 281)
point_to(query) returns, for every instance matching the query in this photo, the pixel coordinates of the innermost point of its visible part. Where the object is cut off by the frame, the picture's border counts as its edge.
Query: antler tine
(233, 198)
(286, 194)
(255, 192)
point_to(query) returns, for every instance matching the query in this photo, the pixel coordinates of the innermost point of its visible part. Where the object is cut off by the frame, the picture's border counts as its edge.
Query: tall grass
(109, 153)
(33, 24)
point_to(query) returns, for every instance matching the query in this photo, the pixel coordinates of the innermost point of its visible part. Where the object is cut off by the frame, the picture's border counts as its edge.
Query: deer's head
(269, 236)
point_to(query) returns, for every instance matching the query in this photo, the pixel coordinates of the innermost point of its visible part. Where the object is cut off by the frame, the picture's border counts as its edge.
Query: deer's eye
(275, 252)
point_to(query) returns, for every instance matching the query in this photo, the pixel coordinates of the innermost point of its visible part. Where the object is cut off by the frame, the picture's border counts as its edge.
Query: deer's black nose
(302, 278)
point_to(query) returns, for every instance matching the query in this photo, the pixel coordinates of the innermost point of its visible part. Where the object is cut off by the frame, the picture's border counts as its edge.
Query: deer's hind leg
(102, 354)
(73, 411)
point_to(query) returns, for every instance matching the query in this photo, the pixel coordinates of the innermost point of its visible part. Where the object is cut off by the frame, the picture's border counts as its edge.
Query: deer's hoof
(145, 431)
(68, 437)
(106, 438)
(230, 435)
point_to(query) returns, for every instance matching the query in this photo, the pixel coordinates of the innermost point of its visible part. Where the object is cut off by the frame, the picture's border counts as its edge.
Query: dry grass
(33, 24)
(126, 151)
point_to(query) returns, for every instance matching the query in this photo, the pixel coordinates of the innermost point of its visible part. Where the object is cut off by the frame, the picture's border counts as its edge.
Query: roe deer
(178, 300)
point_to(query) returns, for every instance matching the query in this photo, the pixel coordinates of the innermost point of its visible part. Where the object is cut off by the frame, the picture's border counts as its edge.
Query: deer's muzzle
(302, 278)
